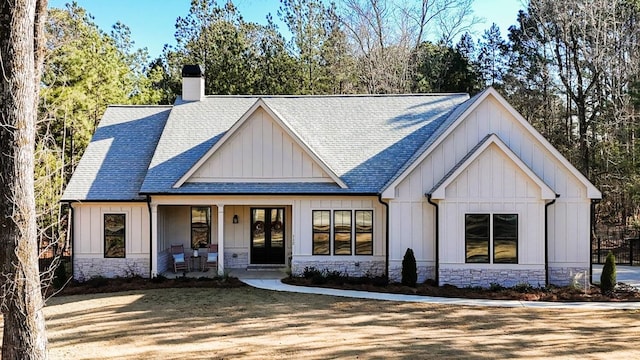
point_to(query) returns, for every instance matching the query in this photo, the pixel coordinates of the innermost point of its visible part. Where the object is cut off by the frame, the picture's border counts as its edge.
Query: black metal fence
(625, 249)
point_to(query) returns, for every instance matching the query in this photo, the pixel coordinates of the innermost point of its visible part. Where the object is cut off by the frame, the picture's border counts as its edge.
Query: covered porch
(251, 233)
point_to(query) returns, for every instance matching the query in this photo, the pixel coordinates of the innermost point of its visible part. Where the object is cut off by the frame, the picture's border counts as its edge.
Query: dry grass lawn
(248, 323)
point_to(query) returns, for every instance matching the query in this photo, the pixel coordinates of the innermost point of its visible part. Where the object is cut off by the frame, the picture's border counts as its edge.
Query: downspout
(70, 236)
(437, 279)
(591, 237)
(150, 237)
(386, 251)
(546, 239)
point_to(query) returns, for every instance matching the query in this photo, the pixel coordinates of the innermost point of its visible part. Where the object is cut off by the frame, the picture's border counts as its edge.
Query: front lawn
(206, 323)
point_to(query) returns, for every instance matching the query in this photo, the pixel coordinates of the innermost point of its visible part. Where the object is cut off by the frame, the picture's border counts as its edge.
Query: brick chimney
(192, 83)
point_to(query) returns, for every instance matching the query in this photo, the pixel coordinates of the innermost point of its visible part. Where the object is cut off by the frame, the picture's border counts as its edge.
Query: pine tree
(490, 56)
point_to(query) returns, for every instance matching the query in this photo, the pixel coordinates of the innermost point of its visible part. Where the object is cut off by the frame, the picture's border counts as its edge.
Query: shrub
(381, 280)
(608, 276)
(318, 279)
(496, 287)
(97, 282)
(158, 279)
(310, 272)
(60, 276)
(409, 269)
(334, 275)
(523, 288)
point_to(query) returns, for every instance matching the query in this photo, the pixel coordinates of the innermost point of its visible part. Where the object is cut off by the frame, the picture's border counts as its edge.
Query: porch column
(154, 240)
(220, 239)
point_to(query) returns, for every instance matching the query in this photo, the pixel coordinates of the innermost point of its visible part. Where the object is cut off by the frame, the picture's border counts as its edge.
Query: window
(505, 238)
(364, 232)
(200, 226)
(321, 232)
(342, 232)
(114, 235)
(478, 238)
(345, 231)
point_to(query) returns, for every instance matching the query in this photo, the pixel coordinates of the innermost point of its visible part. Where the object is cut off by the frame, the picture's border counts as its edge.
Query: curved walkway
(277, 285)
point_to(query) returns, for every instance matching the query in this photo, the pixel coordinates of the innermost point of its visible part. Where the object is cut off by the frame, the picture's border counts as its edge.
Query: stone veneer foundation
(240, 260)
(486, 277)
(348, 267)
(424, 273)
(85, 269)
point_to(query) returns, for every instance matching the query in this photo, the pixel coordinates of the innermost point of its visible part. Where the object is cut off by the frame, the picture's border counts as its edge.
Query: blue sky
(152, 22)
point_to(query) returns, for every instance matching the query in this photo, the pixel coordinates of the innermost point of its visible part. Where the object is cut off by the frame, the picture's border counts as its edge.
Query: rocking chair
(180, 262)
(212, 256)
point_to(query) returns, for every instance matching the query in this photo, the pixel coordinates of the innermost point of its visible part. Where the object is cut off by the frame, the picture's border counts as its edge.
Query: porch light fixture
(235, 219)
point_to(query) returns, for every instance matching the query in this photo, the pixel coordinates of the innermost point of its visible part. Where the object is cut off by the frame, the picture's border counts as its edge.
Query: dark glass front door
(267, 236)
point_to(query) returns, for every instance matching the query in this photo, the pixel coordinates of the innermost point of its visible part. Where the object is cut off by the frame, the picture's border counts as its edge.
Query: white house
(342, 182)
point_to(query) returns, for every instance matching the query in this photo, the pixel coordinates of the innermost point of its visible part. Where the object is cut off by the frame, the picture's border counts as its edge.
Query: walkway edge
(277, 285)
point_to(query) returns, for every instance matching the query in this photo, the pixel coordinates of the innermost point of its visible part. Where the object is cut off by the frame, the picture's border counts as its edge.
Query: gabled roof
(365, 143)
(363, 140)
(438, 191)
(260, 103)
(456, 117)
(117, 158)
(419, 155)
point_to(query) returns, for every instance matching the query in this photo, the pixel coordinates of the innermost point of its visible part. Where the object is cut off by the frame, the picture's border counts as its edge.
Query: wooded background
(569, 67)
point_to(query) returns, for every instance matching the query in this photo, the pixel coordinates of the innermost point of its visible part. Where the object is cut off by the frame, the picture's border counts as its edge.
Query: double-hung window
(487, 232)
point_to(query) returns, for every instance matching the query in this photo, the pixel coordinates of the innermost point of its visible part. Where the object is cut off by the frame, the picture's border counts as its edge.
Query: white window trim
(353, 232)
(491, 248)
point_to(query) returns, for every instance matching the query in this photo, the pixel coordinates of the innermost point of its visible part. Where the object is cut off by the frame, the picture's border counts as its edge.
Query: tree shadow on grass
(252, 323)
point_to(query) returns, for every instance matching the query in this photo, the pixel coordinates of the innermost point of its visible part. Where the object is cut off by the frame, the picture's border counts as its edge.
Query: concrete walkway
(263, 281)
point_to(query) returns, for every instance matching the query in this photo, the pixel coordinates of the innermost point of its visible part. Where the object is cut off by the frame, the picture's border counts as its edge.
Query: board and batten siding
(474, 192)
(260, 150)
(411, 223)
(88, 240)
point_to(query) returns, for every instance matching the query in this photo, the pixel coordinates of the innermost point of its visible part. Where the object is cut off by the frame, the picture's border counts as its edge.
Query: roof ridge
(292, 96)
(140, 106)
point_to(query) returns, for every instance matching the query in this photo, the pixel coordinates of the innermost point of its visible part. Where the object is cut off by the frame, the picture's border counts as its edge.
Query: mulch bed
(623, 292)
(104, 285)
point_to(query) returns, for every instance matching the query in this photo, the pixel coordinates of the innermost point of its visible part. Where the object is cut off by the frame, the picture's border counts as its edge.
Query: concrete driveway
(625, 274)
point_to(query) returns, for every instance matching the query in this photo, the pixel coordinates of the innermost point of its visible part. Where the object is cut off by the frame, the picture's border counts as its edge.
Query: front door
(267, 235)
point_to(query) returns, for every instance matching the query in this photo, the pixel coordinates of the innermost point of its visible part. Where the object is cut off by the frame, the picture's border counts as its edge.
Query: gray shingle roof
(364, 139)
(116, 161)
(451, 118)
(367, 140)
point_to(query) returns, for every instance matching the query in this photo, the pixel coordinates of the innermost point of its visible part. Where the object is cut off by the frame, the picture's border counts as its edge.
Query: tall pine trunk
(21, 27)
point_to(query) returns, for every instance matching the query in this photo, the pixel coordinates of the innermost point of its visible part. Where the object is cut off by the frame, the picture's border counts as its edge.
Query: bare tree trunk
(21, 26)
